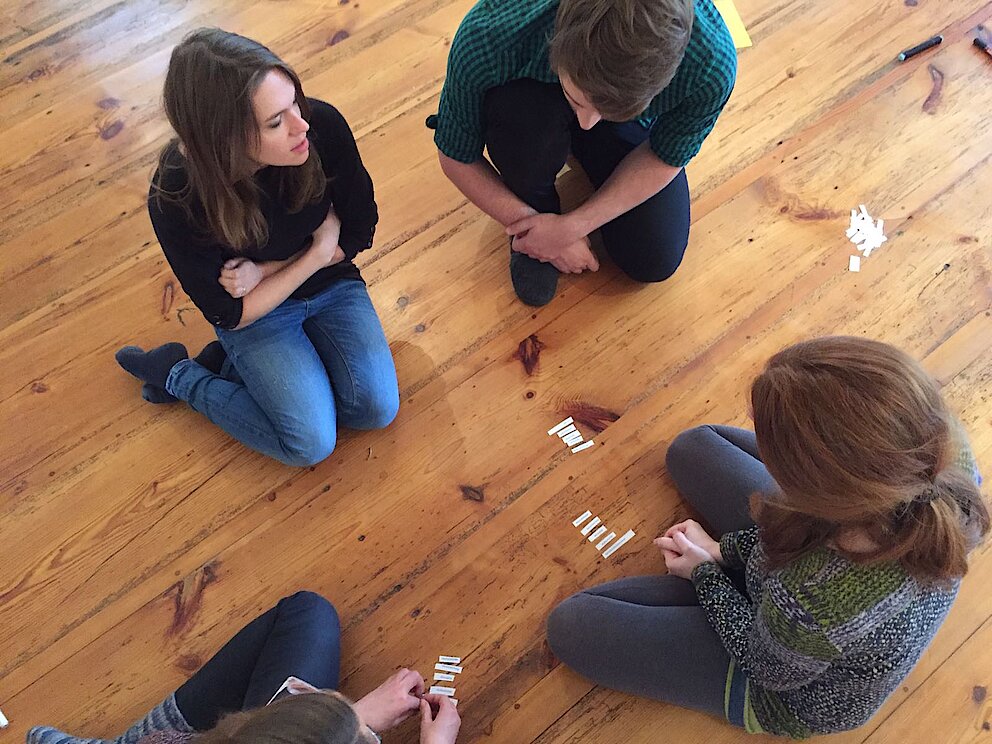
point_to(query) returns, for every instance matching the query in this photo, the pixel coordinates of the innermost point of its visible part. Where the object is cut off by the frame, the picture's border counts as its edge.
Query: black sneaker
(534, 282)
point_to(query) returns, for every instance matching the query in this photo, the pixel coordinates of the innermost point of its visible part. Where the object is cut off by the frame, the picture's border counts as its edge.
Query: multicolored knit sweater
(823, 642)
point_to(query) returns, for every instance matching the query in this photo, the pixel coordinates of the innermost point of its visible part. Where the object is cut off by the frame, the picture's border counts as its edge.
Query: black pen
(920, 48)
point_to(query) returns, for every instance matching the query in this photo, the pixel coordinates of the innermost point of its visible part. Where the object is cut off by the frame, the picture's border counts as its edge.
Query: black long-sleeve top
(197, 258)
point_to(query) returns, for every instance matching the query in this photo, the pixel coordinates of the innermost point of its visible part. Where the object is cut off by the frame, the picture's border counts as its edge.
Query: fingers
(446, 708)
(426, 716)
(669, 544)
(520, 226)
(412, 681)
(682, 526)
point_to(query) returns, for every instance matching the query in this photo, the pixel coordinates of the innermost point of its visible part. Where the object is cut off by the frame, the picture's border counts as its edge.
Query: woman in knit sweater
(866, 501)
(273, 683)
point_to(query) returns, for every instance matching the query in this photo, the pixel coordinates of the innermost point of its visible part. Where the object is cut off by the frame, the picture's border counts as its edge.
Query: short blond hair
(621, 53)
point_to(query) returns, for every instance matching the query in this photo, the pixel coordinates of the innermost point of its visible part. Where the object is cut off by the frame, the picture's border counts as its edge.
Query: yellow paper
(734, 22)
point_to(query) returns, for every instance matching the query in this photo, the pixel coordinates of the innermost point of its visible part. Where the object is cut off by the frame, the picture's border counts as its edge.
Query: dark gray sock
(157, 395)
(152, 366)
(212, 357)
(534, 282)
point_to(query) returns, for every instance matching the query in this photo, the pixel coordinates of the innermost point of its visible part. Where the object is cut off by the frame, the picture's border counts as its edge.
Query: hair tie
(927, 495)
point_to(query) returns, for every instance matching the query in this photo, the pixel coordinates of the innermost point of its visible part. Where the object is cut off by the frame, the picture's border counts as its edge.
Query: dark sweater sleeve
(736, 547)
(196, 262)
(777, 644)
(352, 193)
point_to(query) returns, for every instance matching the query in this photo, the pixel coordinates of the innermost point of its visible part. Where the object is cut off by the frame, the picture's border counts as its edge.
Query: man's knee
(656, 264)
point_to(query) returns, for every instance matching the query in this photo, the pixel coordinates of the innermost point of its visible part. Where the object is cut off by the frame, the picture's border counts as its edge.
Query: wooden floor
(135, 539)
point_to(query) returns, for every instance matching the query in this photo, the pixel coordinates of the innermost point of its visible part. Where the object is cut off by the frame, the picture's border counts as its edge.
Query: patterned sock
(165, 716)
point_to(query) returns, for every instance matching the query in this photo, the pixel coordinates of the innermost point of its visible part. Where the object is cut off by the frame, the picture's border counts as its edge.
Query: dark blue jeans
(530, 130)
(299, 637)
(296, 373)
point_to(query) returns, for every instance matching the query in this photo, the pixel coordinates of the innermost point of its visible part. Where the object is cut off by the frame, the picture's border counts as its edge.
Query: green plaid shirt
(503, 40)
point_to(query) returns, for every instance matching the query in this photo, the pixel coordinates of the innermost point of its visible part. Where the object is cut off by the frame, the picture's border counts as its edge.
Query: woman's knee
(384, 408)
(311, 602)
(309, 447)
(311, 610)
(566, 627)
(376, 411)
(686, 449)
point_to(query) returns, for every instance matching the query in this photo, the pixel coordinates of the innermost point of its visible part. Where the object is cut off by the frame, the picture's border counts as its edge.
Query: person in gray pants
(648, 635)
(804, 620)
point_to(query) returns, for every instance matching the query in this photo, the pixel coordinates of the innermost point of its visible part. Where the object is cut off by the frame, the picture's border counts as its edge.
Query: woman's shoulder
(825, 578)
(328, 128)
(325, 116)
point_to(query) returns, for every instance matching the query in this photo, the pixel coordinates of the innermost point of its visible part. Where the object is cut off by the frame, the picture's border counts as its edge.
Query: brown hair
(301, 719)
(858, 439)
(621, 53)
(212, 77)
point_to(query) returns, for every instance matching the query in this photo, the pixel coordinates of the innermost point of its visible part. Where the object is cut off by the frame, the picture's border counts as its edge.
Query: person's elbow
(452, 168)
(448, 165)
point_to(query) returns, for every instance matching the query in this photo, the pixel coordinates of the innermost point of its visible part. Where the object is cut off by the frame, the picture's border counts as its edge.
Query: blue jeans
(297, 372)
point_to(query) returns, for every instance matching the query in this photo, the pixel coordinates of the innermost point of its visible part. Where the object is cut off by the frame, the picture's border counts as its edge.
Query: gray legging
(647, 635)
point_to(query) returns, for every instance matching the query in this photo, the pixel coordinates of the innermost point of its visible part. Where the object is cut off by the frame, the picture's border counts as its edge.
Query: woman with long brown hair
(261, 204)
(274, 682)
(802, 621)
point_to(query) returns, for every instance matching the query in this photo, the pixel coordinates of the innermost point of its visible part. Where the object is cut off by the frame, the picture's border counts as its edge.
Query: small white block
(567, 431)
(448, 668)
(855, 263)
(572, 439)
(597, 534)
(584, 445)
(582, 518)
(864, 210)
(591, 526)
(450, 659)
(454, 701)
(443, 677)
(618, 544)
(3, 720)
(558, 427)
(602, 543)
(439, 690)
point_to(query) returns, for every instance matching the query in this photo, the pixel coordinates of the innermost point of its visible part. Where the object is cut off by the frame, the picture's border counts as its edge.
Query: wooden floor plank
(138, 538)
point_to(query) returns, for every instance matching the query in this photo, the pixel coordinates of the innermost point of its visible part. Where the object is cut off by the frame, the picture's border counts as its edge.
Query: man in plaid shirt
(630, 87)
